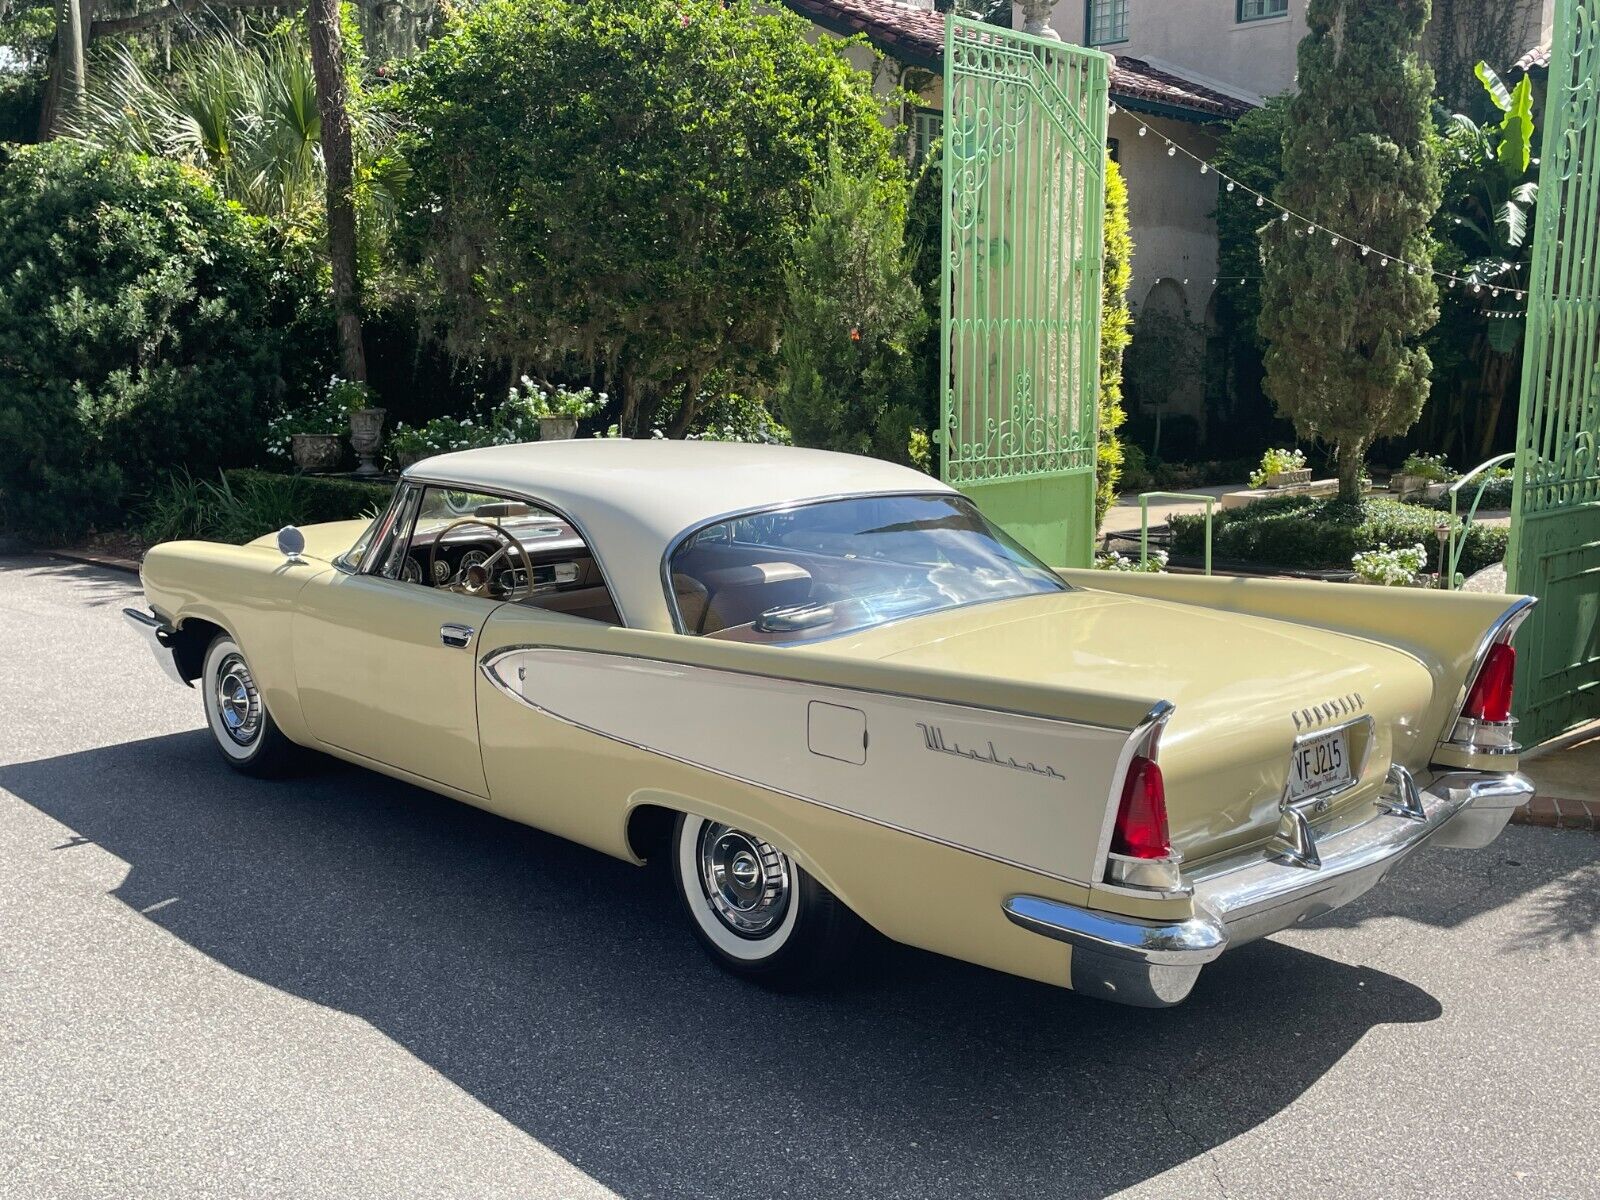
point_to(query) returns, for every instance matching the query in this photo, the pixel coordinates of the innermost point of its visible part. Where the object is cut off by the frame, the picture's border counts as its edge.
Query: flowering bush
(1427, 466)
(1401, 567)
(1275, 463)
(1110, 560)
(531, 400)
(440, 436)
(330, 414)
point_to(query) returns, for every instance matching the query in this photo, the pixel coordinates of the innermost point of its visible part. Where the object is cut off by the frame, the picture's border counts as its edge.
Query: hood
(324, 542)
(1236, 682)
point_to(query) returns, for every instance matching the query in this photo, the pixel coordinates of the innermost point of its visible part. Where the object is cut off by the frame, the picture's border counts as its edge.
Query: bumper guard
(1154, 964)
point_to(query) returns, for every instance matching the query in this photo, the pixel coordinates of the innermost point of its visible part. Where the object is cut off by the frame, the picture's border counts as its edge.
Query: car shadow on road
(560, 988)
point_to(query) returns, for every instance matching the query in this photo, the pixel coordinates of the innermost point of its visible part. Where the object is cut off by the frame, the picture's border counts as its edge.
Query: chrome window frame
(342, 562)
(740, 514)
(427, 481)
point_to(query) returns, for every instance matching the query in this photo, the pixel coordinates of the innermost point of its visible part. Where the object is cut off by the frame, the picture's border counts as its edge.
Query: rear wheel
(246, 736)
(755, 911)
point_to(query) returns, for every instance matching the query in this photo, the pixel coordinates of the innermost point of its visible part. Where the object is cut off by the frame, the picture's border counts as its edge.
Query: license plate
(1319, 765)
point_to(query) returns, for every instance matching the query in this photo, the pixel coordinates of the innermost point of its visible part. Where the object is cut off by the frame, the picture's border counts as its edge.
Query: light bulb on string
(1143, 131)
(1333, 241)
(1260, 200)
(1284, 218)
(1204, 167)
(1366, 250)
(1171, 150)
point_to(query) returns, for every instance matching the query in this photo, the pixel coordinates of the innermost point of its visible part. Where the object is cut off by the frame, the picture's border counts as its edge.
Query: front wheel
(755, 911)
(244, 731)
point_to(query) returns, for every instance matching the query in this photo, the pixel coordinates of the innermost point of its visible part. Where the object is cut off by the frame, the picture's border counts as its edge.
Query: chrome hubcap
(238, 703)
(746, 879)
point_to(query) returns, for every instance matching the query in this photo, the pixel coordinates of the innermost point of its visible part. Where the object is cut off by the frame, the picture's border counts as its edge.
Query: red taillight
(1141, 829)
(1490, 697)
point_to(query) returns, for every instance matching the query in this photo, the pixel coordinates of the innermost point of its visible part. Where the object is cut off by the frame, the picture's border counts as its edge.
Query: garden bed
(1307, 533)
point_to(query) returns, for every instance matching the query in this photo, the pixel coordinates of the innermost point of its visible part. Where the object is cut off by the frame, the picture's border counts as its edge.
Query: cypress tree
(1342, 326)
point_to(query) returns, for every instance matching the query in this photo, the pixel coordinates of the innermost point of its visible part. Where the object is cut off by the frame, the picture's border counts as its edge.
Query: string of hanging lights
(1307, 227)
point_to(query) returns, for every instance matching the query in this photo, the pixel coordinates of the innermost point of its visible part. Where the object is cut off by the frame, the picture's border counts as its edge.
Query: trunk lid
(1243, 688)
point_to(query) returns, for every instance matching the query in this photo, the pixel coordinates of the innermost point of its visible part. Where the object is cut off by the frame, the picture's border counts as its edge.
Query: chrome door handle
(456, 635)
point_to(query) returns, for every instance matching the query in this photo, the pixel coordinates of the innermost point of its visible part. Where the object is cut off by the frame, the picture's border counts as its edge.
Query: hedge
(316, 499)
(1313, 534)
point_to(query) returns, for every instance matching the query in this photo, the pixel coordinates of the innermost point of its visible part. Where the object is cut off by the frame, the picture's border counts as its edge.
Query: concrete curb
(95, 560)
(1557, 812)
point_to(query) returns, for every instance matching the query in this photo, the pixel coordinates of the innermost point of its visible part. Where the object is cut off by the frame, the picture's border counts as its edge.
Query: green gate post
(1555, 520)
(1024, 198)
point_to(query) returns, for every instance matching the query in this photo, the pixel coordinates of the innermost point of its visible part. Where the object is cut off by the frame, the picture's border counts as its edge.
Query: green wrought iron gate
(1024, 197)
(1555, 549)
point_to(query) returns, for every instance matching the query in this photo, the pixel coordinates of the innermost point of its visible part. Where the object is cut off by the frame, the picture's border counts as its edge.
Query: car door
(385, 666)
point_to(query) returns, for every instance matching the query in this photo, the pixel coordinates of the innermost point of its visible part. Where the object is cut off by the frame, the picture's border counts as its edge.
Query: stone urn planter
(406, 459)
(366, 435)
(1285, 479)
(557, 429)
(316, 452)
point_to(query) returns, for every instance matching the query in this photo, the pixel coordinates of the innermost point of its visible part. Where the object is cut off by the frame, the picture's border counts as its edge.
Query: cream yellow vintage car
(831, 693)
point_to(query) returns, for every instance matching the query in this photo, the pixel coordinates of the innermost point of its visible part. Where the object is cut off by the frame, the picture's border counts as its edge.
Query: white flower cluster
(1110, 560)
(1400, 567)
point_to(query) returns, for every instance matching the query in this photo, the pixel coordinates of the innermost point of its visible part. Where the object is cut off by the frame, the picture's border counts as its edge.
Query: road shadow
(92, 586)
(561, 989)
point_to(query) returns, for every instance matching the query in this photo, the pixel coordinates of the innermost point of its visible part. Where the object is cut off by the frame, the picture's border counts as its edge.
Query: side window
(497, 547)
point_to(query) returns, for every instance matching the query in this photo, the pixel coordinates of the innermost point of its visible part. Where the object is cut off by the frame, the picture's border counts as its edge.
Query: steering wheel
(476, 580)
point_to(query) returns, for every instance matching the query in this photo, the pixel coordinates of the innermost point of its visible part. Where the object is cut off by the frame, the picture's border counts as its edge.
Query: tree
(338, 170)
(144, 322)
(1115, 320)
(1485, 226)
(1342, 326)
(853, 316)
(1250, 151)
(618, 186)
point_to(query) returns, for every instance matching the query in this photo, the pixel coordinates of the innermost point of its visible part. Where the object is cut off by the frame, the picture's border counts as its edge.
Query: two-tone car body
(829, 691)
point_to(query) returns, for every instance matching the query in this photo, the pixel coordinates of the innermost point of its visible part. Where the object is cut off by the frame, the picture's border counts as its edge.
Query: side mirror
(291, 543)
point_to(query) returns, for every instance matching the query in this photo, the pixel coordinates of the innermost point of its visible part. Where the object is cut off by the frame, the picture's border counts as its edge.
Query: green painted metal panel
(1555, 550)
(1024, 199)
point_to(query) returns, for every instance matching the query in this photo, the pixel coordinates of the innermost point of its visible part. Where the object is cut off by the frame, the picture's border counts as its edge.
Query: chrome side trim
(157, 634)
(488, 664)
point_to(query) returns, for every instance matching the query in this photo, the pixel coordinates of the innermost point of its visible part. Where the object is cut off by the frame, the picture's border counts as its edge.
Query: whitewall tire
(756, 912)
(244, 732)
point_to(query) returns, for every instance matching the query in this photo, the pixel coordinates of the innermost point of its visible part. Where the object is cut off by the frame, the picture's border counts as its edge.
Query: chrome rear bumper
(1155, 964)
(156, 632)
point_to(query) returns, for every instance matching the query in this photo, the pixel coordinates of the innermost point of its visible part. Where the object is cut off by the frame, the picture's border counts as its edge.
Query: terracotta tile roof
(916, 36)
(1537, 59)
(1135, 79)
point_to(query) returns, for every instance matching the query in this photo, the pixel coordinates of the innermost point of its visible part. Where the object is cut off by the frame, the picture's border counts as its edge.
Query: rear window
(836, 566)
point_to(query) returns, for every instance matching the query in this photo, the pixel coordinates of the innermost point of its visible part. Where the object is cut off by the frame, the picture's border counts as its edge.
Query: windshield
(836, 566)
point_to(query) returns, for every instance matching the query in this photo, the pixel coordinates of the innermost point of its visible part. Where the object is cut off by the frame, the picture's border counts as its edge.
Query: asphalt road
(342, 986)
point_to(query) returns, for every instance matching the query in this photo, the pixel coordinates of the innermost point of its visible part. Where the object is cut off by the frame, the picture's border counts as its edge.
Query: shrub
(1400, 567)
(853, 316)
(1115, 319)
(622, 183)
(1309, 533)
(144, 322)
(241, 505)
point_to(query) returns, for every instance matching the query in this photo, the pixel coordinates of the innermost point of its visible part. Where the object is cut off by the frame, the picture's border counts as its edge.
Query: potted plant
(1425, 474)
(1400, 567)
(312, 436)
(408, 446)
(366, 421)
(555, 410)
(1281, 468)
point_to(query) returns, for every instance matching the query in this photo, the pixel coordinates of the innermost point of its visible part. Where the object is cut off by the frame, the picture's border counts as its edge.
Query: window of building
(926, 124)
(1261, 10)
(1105, 22)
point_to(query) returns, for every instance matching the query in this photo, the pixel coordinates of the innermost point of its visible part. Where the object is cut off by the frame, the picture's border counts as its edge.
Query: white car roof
(632, 498)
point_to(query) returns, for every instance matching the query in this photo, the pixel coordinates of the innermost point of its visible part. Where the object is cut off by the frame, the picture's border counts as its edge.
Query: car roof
(632, 498)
